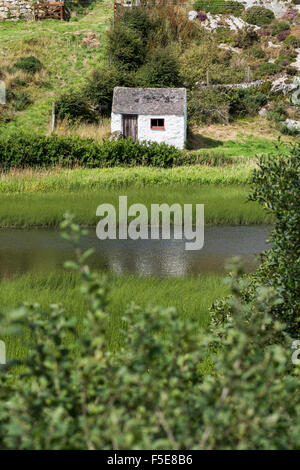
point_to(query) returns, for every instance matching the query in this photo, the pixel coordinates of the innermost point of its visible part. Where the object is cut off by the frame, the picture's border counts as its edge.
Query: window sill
(158, 128)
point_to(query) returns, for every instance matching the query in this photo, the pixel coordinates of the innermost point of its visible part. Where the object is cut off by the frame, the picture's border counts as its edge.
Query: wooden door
(130, 128)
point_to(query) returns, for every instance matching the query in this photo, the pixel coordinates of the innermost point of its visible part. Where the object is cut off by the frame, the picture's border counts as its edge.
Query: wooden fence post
(207, 77)
(248, 74)
(53, 118)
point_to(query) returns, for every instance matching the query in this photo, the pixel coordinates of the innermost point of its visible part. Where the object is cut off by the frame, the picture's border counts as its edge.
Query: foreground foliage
(277, 183)
(152, 393)
(276, 187)
(156, 392)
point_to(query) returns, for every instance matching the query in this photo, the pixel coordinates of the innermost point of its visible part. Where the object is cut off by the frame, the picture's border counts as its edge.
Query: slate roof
(149, 101)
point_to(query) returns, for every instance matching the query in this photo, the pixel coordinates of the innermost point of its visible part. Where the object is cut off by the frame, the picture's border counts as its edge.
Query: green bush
(160, 70)
(40, 151)
(18, 100)
(219, 7)
(126, 47)
(95, 98)
(285, 60)
(278, 27)
(21, 100)
(137, 19)
(100, 85)
(257, 52)
(259, 16)
(245, 37)
(208, 106)
(246, 101)
(74, 107)
(276, 186)
(277, 114)
(29, 64)
(292, 41)
(266, 69)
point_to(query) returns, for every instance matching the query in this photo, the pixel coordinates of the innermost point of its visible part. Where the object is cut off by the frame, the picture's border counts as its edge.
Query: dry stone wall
(16, 10)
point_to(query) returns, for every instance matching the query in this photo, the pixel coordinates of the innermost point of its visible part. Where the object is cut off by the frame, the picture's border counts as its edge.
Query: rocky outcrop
(16, 10)
(292, 125)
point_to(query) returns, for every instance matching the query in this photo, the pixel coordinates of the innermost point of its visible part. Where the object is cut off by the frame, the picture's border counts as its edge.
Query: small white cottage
(152, 114)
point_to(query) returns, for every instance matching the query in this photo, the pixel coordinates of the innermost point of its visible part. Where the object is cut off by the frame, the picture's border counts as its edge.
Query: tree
(160, 70)
(126, 47)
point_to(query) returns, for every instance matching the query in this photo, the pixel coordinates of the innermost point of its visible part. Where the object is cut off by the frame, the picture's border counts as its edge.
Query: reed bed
(224, 205)
(61, 180)
(191, 296)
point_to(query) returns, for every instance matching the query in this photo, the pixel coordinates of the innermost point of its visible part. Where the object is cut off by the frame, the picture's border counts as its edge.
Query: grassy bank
(60, 180)
(223, 204)
(191, 296)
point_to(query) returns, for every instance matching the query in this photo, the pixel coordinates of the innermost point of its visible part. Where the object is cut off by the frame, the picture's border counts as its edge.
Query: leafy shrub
(74, 107)
(40, 151)
(137, 19)
(100, 86)
(291, 71)
(245, 37)
(283, 35)
(292, 41)
(219, 7)
(246, 101)
(259, 15)
(276, 186)
(268, 68)
(278, 27)
(225, 35)
(208, 106)
(160, 70)
(196, 60)
(284, 60)
(29, 64)
(277, 114)
(126, 47)
(95, 98)
(257, 52)
(21, 100)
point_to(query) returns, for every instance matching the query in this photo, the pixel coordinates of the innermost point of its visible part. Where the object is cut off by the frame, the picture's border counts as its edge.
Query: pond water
(23, 251)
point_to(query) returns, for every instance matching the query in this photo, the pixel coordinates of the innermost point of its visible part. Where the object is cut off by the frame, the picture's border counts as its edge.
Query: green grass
(61, 180)
(41, 197)
(245, 146)
(223, 204)
(191, 296)
(250, 146)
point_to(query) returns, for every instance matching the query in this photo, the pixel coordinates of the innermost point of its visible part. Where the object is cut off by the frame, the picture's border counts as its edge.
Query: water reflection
(23, 251)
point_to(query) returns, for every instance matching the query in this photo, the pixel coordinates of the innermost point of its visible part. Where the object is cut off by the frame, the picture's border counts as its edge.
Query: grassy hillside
(66, 61)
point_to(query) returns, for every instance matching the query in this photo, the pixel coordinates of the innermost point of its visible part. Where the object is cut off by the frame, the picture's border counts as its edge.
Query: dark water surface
(23, 251)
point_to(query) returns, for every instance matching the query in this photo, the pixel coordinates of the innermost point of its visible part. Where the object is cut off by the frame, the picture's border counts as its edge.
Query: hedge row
(41, 151)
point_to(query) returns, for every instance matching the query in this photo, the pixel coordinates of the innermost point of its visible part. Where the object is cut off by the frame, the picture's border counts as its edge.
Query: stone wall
(16, 10)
